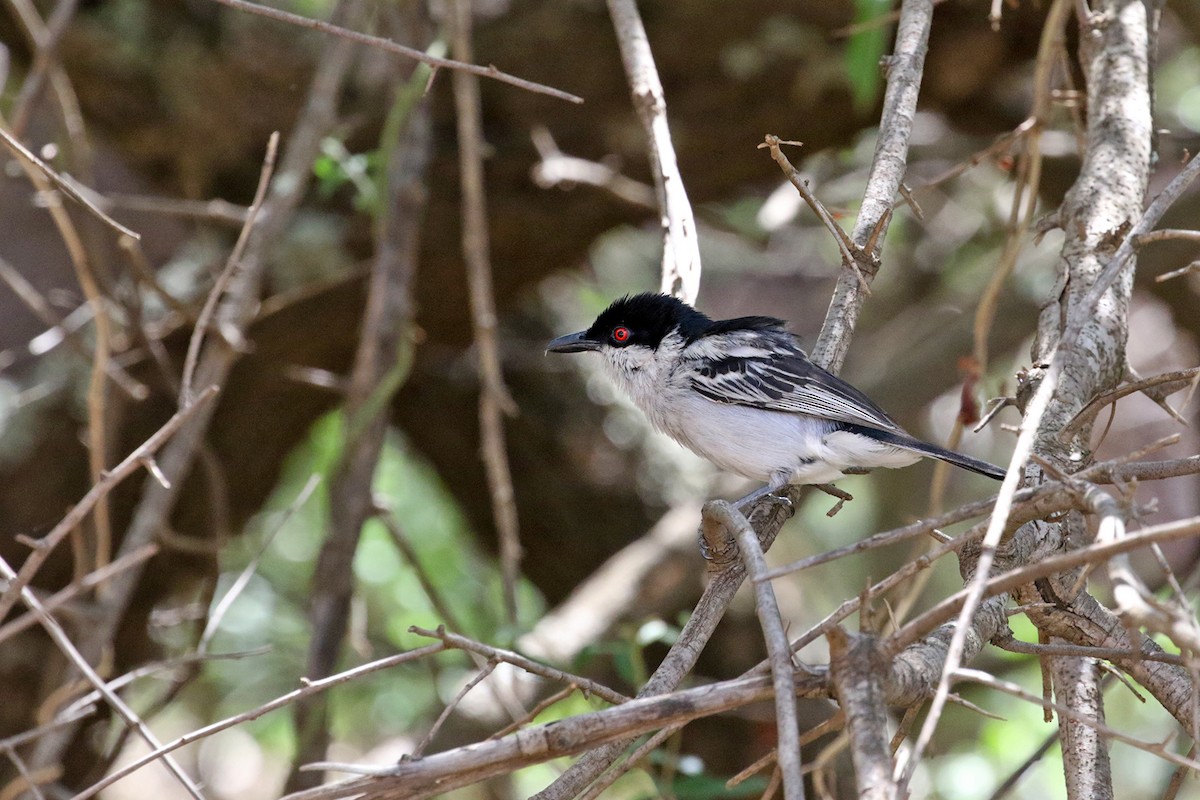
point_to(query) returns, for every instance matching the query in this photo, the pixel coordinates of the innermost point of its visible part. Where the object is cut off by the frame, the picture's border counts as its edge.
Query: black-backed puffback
(744, 395)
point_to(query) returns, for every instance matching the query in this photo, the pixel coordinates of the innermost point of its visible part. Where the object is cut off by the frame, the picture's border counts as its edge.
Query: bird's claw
(781, 500)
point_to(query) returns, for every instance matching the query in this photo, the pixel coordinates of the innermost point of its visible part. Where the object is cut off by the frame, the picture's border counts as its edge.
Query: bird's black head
(640, 319)
(646, 319)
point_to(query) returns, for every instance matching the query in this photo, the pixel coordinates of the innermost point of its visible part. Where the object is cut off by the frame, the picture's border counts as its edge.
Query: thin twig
(65, 186)
(28, 294)
(30, 780)
(771, 622)
(1008, 687)
(44, 61)
(1014, 645)
(1178, 273)
(1165, 384)
(42, 176)
(1030, 428)
(494, 399)
(90, 581)
(1015, 776)
(586, 685)
(1029, 171)
(389, 46)
(127, 467)
(851, 253)
(597, 789)
(479, 677)
(1061, 562)
(223, 280)
(531, 714)
(307, 689)
(400, 539)
(1179, 776)
(43, 38)
(1166, 235)
(558, 169)
(381, 365)
(215, 210)
(64, 643)
(441, 772)
(243, 578)
(904, 69)
(727, 576)
(1035, 502)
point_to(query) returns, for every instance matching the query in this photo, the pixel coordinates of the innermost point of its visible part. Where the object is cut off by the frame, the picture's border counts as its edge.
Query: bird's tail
(940, 453)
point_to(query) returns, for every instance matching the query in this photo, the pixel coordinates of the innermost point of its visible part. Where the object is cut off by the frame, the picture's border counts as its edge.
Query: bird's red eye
(620, 334)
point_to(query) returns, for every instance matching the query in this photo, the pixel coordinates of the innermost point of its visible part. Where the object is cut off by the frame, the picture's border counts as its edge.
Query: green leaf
(864, 50)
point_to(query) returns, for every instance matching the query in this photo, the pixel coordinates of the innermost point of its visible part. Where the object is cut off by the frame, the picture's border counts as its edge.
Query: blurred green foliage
(271, 611)
(865, 48)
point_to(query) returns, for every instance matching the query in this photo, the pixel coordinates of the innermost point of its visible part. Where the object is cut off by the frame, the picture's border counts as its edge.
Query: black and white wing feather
(784, 381)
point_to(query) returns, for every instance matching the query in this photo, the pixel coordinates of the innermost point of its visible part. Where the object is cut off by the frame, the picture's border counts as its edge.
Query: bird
(742, 394)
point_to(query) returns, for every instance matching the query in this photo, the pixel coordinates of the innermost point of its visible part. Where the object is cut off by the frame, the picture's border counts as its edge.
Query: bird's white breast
(752, 442)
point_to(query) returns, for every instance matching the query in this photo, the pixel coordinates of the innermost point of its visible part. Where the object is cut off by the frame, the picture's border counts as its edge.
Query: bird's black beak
(572, 343)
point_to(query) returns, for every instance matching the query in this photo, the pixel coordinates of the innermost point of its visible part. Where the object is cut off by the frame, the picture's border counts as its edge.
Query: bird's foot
(781, 500)
(746, 504)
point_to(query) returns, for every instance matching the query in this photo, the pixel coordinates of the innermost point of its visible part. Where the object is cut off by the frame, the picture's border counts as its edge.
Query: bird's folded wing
(790, 384)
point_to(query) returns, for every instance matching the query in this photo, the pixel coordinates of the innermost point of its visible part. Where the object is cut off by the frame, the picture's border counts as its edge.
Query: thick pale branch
(681, 247)
(1085, 751)
(462, 766)
(904, 69)
(857, 667)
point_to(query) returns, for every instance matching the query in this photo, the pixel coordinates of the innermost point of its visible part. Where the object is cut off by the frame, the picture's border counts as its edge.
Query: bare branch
(1066, 712)
(558, 169)
(1085, 753)
(681, 248)
(1166, 235)
(441, 772)
(854, 258)
(90, 581)
(401, 540)
(28, 294)
(857, 667)
(68, 648)
(308, 689)
(727, 576)
(904, 69)
(66, 187)
(453, 640)
(234, 313)
(782, 669)
(127, 467)
(494, 399)
(243, 579)
(223, 280)
(389, 46)
(382, 361)
(1027, 573)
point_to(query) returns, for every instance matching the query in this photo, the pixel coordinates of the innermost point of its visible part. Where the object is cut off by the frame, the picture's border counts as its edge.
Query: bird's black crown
(650, 317)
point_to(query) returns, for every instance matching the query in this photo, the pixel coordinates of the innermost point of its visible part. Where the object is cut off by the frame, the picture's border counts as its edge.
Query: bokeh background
(177, 99)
